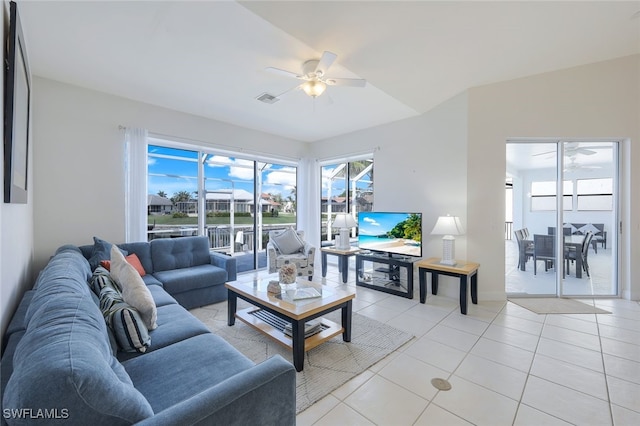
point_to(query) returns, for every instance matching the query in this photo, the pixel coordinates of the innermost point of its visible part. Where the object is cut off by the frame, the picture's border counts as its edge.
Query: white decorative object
(344, 222)
(287, 273)
(448, 226)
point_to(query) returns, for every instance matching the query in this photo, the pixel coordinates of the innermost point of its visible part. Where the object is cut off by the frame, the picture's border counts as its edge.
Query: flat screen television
(391, 232)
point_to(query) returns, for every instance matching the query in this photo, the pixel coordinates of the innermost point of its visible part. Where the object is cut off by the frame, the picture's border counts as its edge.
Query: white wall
(591, 101)
(79, 159)
(16, 230)
(420, 164)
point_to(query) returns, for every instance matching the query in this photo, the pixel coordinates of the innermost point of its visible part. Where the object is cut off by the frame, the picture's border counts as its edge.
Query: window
(595, 194)
(234, 201)
(543, 195)
(346, 187)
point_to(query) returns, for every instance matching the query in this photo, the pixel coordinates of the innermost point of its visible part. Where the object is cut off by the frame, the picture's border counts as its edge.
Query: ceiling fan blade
(325, 62)
(585, 151)
(544, 153)
(284, 73)
(352, 82)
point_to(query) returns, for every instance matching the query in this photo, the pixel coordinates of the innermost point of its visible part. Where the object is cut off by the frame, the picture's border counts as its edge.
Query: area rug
(553, 305)
(326, 367)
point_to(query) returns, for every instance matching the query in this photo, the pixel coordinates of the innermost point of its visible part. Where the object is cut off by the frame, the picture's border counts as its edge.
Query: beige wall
(591, 101)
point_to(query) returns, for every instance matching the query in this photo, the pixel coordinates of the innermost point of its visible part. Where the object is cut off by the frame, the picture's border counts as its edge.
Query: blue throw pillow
(101, 251)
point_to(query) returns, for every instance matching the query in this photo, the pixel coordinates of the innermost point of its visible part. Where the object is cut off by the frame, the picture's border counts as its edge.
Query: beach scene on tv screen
(399, 233)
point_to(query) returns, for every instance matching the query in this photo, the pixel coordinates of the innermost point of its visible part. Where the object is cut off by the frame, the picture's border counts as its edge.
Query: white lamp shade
(448, 225)
(344, 220)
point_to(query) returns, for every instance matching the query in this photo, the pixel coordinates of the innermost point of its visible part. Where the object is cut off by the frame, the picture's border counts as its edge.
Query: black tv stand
(387, 273)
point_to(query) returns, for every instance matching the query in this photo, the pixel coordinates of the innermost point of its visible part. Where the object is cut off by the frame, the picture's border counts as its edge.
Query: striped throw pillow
(130, 331)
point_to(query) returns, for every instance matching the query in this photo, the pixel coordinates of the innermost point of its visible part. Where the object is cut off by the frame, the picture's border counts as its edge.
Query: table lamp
(344, 222)
(448, 226)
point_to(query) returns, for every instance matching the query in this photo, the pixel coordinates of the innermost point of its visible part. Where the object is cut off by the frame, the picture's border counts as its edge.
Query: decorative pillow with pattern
(128, 327)
(100, 279)
(288, 242)
(134, 290)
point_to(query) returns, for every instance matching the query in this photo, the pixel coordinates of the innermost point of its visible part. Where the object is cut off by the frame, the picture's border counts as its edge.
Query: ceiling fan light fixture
(314, 88)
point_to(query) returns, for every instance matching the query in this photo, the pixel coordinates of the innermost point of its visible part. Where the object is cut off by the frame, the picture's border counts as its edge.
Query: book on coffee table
(310, 328)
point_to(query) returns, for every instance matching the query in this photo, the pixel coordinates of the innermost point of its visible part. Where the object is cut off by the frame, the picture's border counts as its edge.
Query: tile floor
(506, 366)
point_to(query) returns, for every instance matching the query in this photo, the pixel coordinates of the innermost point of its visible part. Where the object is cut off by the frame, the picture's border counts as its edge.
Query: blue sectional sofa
(61, 364)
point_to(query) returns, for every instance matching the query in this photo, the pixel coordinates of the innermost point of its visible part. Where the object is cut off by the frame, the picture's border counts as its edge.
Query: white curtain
(308, 208)
(135, 141)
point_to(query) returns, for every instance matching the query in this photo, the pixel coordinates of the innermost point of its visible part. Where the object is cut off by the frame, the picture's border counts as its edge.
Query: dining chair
(544, 248)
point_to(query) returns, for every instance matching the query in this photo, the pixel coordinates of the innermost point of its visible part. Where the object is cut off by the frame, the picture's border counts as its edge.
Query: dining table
(571, 242)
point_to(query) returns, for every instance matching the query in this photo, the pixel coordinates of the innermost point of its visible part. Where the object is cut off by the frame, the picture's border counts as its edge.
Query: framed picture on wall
(16, 113)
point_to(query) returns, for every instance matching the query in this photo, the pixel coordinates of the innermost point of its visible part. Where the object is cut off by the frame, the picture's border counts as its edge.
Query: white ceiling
(208, 57)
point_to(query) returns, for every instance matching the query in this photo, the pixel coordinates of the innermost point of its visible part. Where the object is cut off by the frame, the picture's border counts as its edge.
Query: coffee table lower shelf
(329, 328)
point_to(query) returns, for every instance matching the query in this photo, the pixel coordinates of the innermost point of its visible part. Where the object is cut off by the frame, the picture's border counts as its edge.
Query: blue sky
(219, 171)
(378, 223)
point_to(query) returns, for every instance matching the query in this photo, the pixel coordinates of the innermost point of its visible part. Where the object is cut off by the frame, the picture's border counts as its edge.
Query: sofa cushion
(66, 272)
(64, 361)
(161, 297)
(185, 279)
(184, 369)
(287, 241)
(176, 253)
(143, 251)
(134, 290)
(128, 328)
(175, 324)
(101, 251)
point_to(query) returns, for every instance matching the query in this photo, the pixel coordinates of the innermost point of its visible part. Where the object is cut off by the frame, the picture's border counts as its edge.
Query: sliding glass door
(234, 201)
(563, 209)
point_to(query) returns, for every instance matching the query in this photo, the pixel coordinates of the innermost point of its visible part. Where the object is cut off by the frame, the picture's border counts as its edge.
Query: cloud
(371, 222)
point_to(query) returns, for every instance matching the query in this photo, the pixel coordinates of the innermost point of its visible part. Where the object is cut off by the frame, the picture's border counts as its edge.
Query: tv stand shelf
(382, 272)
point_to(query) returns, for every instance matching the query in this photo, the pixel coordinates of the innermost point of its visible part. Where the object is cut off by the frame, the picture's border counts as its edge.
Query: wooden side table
(463, 270)
(343, 259)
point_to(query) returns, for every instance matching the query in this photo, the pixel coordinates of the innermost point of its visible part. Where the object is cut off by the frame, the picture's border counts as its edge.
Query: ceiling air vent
(267, 98)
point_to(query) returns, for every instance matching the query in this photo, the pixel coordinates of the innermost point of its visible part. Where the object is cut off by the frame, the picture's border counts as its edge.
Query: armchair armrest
(225, 262)
(264, 394)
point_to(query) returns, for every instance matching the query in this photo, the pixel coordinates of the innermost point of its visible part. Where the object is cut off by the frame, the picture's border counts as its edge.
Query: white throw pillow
(134, 290)
(288, 242)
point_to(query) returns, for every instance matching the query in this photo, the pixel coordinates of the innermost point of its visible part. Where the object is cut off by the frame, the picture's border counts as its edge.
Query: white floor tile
(477, 404)
(570, 375)
(506, 364)
(622, 368)
(385, 403)
(435, 415)
(345, 415)
(504, 354)
(413, 375)
(491, 375)
(565, 403)
(625, 417)
(435, 353)
(624, 393)
(529, 416)
(460, 340)
(572, 354)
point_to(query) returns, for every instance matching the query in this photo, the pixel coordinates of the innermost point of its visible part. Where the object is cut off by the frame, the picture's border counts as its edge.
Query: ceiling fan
(572, 149)
(572, 166)
(314, 74)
